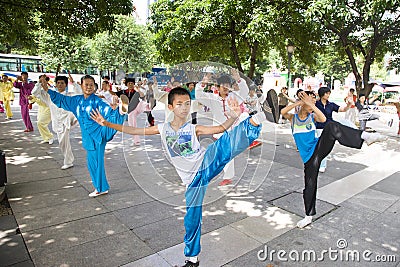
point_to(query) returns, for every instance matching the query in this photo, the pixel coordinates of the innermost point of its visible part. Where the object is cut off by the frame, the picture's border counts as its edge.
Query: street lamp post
(290, 50)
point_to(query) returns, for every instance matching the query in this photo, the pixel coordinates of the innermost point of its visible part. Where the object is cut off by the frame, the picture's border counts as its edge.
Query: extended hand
(350, 101)
(307, 99)
(97, 117)
(234, 109)
(70, 77)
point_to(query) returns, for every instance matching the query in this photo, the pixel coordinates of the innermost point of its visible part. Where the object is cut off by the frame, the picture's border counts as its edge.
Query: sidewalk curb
(2, 192)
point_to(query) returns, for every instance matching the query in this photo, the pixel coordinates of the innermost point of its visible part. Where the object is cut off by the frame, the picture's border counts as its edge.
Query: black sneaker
(270, 107)
(190, 264)
(133, 102)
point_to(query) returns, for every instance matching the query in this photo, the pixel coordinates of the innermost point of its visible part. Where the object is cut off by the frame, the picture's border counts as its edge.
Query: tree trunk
(253, 57)
(354, 69)
(8, 47)
(235, 53)
(369, 60)
(58, 69)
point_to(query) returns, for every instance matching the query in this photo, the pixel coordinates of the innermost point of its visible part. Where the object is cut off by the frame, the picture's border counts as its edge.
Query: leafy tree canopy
(61, 51)
(241, 32)
(360, 28)
(72, 17)
(128, 46)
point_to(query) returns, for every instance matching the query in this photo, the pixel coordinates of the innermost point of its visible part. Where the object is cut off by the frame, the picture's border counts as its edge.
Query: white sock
(259, 117)
(304, 222)
(193, 259)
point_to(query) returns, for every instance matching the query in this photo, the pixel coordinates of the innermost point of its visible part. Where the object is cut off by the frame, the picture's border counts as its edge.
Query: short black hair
(323, 90)
(311, 93)
(4, 75)
(61, 78)
(176, 91)
(187, 84)
(106, 77)
(87, 77)
(360, 95)
(24, 72)
(299, 91)
(352, 90)
(224, 78)
(129, 80)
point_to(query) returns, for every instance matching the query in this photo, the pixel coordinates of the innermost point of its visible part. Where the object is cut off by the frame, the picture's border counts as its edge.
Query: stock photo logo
(216, 91)
(341, 252)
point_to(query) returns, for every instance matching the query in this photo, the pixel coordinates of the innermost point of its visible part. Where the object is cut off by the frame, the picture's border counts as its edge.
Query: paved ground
(140, 222)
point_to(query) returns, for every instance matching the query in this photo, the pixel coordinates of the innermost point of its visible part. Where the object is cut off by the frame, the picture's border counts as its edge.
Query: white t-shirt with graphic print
(183, 149)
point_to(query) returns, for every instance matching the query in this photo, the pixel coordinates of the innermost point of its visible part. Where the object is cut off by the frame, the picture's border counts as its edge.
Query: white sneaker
(322, 169)
(67, 166)
(96, 194)
(51, 141)
(259, 117)
(43, 142)
(371, 138)
(304, 222)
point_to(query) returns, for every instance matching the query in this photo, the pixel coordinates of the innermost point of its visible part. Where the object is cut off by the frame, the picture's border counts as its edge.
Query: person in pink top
(25, 89)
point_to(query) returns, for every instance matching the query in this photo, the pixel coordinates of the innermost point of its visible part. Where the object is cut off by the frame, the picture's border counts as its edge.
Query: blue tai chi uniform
(197, 167)
(94, 136)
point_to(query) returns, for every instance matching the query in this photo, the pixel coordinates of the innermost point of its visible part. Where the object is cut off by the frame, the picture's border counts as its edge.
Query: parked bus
(12, 65)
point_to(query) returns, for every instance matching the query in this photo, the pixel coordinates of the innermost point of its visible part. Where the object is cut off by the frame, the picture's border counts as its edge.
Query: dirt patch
(5, 208)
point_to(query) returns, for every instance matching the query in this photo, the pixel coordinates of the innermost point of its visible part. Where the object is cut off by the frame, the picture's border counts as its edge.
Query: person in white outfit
(62, 120)
(106, 93)
(218, 104)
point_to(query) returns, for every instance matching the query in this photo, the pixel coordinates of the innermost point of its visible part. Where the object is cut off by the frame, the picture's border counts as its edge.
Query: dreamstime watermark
(340, 253)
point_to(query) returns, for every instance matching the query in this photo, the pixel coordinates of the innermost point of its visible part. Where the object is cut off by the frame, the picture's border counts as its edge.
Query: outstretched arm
(159, 95)
(65, 102)
(310, 101)
(77, 87)
(233, 114)
(349, 101)
(285, 111)
(97, 117)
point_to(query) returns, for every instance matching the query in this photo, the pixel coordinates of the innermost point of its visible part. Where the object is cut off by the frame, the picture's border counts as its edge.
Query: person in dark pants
(313, 149)
(328, 108)
(364, 115)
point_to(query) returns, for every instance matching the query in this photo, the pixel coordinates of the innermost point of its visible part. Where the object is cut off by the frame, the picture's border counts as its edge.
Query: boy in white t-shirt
(195, 165)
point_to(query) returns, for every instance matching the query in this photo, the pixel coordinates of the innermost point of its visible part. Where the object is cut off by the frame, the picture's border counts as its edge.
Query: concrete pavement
(140, 222)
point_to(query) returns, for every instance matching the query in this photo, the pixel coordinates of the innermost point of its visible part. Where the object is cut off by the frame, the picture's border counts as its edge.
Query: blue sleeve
(65, 102)
(335, 107)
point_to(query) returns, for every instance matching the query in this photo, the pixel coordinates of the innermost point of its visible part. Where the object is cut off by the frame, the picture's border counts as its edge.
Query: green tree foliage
(238, 33)
(128, 45)
(72, 17)
(365, 28)
(63, 52)
(332, 64)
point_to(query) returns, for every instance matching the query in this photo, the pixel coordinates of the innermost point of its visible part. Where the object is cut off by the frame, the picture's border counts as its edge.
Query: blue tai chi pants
(217, 155)
(95, 158)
